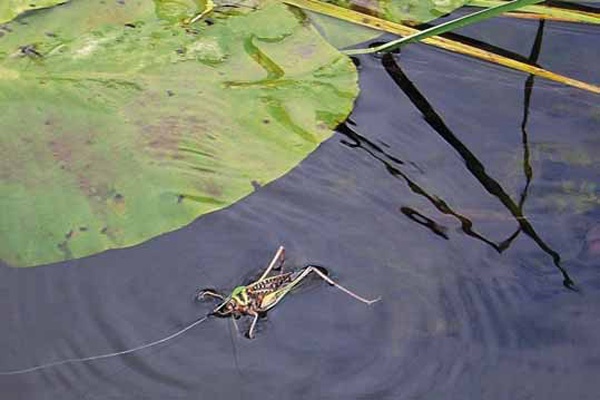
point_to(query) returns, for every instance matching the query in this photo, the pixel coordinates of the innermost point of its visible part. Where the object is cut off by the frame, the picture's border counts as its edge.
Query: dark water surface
(461, 221)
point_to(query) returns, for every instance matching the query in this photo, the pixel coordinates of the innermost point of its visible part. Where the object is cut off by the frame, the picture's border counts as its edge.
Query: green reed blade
(447, 26)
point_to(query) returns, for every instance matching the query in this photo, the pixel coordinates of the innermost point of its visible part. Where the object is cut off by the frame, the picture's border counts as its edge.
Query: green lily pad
(9, 9)
(118, 125)
(339, 33)
(179, 10)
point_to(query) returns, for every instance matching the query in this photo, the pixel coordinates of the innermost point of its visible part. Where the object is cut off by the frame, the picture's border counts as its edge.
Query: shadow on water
(464, 315)
(473, 164)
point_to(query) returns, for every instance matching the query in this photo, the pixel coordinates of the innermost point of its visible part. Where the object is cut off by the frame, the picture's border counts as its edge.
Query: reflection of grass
(583, 196)
(571, 197)
(474, 165)
(566, 153)
(575, 195)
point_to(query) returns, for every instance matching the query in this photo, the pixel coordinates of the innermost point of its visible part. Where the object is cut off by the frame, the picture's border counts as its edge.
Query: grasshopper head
(235, 305)
(227, 309)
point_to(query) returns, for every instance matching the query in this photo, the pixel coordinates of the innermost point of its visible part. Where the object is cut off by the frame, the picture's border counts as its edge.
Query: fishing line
(108, 355)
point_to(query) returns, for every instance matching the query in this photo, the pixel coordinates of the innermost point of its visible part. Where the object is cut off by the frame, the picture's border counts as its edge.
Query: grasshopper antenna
(108, 355)
(321, 272)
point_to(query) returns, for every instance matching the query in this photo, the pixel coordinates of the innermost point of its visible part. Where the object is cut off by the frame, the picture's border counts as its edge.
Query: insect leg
(281, 259)
(250, 333)
(316, 270)
(210, 293)
(278, 258)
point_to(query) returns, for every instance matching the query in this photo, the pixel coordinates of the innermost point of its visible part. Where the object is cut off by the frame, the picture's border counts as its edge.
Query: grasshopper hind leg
(322, 273)
(321, 269)
(280, 259)
(250, 333)
(275, 264)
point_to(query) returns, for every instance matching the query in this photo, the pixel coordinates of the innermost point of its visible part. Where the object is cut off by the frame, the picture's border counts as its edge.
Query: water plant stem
(543, 12)
(447, 26)
(440, 42)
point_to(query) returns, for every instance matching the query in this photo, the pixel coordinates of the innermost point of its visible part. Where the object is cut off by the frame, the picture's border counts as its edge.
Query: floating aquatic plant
(9, 9)
(119, 123)
(124, 121)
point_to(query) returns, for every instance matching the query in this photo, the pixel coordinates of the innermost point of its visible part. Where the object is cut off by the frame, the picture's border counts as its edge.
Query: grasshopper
(258, 297)
(253, 300)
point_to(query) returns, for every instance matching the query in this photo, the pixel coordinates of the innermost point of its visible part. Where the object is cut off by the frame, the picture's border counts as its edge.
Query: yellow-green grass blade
(544, 12)
(448, 26)
(443, 43)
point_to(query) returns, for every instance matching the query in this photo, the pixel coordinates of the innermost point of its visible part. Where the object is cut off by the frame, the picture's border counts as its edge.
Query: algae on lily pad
(9, 9)
(179, 10)
(118, 125)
